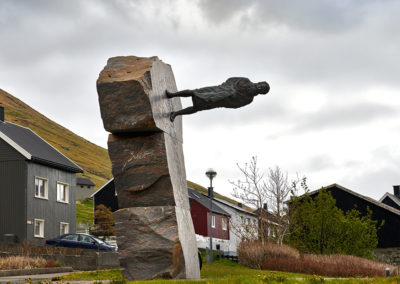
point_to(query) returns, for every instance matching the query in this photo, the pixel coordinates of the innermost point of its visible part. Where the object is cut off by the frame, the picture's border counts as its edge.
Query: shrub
(52, 263)
(253, 253)
(330, 265)
(21, 262)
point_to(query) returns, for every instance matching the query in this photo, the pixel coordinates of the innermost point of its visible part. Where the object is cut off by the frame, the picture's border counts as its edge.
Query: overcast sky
(333, 66)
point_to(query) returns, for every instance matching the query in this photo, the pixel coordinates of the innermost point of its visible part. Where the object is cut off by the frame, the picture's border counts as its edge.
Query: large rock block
(155, 232)
(132, 96)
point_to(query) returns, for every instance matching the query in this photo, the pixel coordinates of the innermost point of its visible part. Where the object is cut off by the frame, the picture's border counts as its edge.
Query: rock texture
(154, 228)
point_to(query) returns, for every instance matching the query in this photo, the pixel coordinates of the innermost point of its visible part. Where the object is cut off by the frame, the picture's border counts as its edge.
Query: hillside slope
(92, 158)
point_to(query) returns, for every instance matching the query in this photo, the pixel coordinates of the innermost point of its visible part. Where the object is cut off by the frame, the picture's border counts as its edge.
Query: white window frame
(224, 224)
(62, 224)
(66, 192)
(41, 228)
(213, 221)
(46, 188)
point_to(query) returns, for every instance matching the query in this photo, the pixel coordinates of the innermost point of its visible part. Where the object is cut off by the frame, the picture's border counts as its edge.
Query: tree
(278, 190)
(266, 193)
(244, 228)
(104, 222)
(318, 226)
(252, 190)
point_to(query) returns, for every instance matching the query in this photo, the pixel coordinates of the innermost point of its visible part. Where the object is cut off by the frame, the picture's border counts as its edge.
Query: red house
(200, 211)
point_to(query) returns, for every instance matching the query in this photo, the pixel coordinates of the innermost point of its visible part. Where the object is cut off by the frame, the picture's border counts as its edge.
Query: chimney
(265, 206)
(1, 114)
(240, 205)
(396, 190)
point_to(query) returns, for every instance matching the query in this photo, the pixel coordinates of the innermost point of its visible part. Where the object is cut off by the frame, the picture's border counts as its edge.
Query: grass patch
(226, 272)
(84, 211)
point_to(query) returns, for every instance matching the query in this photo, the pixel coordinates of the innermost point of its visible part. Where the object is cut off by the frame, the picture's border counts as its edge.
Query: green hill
(92, 158)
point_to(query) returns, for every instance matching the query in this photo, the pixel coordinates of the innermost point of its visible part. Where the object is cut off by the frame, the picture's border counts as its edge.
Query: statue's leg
(188, 110)
(184, 93)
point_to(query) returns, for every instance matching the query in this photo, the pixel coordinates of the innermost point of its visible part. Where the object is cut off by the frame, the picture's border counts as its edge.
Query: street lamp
(210, 173)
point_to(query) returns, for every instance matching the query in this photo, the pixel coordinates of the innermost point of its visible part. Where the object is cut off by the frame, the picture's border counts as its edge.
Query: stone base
(149, 243)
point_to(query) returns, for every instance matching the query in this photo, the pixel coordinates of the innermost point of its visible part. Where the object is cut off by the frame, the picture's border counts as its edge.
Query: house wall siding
(50, 210)
(217, 232)
(8, 153)
(199, 217)
(12, 198)
(83, 192)
(107, 197)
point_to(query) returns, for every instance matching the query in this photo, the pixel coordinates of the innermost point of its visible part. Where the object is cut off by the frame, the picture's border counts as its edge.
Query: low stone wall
(388, 255)
(78, 259)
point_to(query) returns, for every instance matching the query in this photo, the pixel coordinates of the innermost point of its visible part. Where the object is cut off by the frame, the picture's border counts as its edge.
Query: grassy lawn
(225, 271)
(84, 211)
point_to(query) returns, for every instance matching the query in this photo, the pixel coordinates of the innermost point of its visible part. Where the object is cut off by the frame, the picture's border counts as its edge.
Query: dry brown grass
(330, 265)
(253, 253)
(22, 262)
(271, 256)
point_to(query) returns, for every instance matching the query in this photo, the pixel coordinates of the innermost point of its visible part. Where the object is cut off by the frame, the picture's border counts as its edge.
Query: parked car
(80, 241)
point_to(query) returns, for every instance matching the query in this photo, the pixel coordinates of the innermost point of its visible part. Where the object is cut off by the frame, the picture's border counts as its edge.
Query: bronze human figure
(233, 93)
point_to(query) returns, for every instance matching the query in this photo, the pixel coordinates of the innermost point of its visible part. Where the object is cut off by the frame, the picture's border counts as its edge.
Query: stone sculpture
(154, 229)
(233, 93)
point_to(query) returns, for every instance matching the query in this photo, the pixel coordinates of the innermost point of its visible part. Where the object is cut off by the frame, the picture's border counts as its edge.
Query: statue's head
(262, 87)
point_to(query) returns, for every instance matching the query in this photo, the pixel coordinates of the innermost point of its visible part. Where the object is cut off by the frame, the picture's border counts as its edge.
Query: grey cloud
(319, 163)
(373, 183)
(311, 14)
(343, 116)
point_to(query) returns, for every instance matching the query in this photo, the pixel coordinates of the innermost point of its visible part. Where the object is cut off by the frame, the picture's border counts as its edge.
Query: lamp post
(210, 173)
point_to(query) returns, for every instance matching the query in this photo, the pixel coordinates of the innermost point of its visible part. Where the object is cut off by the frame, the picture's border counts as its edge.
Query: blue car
(80, 241)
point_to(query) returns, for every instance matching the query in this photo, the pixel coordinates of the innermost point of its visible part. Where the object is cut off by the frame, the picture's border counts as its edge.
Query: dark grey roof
(205, 201)
(84, 181)
(34, 148)
(393, 197)
(234, 206)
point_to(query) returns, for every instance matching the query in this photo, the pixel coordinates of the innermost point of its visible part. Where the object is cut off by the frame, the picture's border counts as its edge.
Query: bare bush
(22, 262)
(253, 253)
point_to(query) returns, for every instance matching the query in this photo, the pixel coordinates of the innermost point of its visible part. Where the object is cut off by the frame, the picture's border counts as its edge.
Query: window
(71, 238)
(38, 228)
(224, 224)
(41, 188)
(62, 192)
(86, 239)
(64, 228)
(213, 221)
(247, 221)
